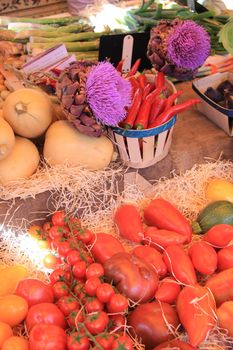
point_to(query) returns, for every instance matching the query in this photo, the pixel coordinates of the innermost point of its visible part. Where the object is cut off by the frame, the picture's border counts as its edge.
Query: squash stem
(196, 227)
(20, 108)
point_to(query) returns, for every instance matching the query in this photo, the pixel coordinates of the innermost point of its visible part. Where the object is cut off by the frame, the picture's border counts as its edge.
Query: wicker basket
(143, 148)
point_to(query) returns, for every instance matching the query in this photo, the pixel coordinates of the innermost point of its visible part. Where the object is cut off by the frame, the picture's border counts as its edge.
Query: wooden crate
(32, 8)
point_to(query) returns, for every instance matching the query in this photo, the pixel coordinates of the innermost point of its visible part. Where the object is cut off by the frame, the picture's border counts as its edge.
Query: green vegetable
(74, 46)
(55, 21)
(219, 212)
(85, 36)
(226, 36)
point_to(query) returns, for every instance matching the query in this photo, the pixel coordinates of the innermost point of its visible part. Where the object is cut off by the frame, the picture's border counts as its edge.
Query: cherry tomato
(67, 304)
(35, 291)
(73, 257)
(93, 305)
(91, 285)
(84, 235)
(104, 292)
(5, 332)
(59, 218)
(105, 340)
(94, 270)
(74, 318)
(117, 322)
(96, 322)
(64, 248)
(74, 223)
(15, 343)
(75, 341)
(47, 336)
(56, 232)
(78, 289)
(35, 231)
(51, 261)
(123, 342)
(46, 226)
(46, 313)
(60, 289)
(117, 303)
(59, 275)
(44, 243)
(79, 269)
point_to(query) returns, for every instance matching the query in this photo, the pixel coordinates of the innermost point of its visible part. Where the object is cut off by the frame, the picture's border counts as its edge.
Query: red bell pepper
(134, 68)
(128, 122)
(204, 257)
(221, 285)
(167, 115)
(219, 236)
(196, 310)
(164, 215)
(179, 265)
(168, 290)
(162, 238)
(128, 222)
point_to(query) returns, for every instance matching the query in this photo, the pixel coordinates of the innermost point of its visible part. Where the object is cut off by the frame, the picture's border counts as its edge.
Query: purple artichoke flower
(108, 94)
(188, 45)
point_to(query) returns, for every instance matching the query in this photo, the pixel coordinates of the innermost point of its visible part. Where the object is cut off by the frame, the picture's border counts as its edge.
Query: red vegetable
(148, 323)
(179, 265)
(171, 99)
(204, 258)
(166, 115)
(128, 122)
(164, 215)
(134, 68)
(219, 236)
(196, 310)
(162, 238)
(120, 66)
(221, 285)
(174, 344)
(104, 246)
(159, 80)
(147, 90)
(225, 316)
(128, 222)
(134, 83)
(142, 81)
(133, 277)
(152, 257)
(225, 258)
(156, 109)
(47, 336)
(168, 290)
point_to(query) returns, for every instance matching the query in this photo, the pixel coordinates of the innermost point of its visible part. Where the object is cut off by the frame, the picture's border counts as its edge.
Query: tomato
(225, 315)
(59, 218)
(94, 270)
(46, 313)
(51, 261)
(96, 322)
(60, 289)
(104, 245)
(73, 257)
(84, 235)
(56, 232)
(117, 322)
(46, 226)
(47, 337)
(105, 340)
(168, 290)
(133, 276)
(35, 231)
(219, 236)
(152, 257)
(67, 304)
(74, 318)
(123, 342)
(59, 275)
(79, 269)
(225, 258)
(64, 248)
(204, 257)
(104, 292)
(5, 332)
(13, 309)
(93, 305)
(78, 288)
(91, 285)
(44, 243)
(151, 322)
(221, 285)
(117, 303)
(15, 343)
(35, 291)
(75, 341)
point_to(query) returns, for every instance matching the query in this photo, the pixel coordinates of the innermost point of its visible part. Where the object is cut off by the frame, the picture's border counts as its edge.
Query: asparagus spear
(74, 46)
(54, 21)
(68, 38)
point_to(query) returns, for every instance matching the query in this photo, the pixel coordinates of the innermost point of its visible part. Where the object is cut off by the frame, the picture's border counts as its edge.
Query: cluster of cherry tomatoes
(95, 312)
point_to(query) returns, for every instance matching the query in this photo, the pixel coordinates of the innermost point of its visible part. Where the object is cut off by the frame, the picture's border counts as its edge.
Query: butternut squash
(7, 139)
(28, 111)
(22, 162)
(65, 145)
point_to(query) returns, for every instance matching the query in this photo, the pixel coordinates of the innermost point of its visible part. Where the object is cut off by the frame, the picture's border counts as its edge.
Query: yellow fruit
(16, 343)
(219, 189)
(13, 309)
(10, 276)
(5, 332)
(7, 139)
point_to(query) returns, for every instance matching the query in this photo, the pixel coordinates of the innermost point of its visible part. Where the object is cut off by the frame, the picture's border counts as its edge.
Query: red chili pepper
(134, 83)
(171, 99)
(142, 80)
(146, 90)
(128, 122)
(134, 68)
(156, 109)
(159, 80)
(142, 119)
(165, 116)
(120, 66)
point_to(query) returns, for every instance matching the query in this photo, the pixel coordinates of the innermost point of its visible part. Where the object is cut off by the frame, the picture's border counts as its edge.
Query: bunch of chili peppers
(150, 107)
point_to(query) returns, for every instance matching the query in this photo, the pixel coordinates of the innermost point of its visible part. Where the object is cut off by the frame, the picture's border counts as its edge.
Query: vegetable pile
(222, 94)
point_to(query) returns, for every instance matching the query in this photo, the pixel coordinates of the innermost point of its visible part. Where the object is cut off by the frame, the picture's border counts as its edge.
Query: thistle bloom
(188, 45)
(108, 94)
